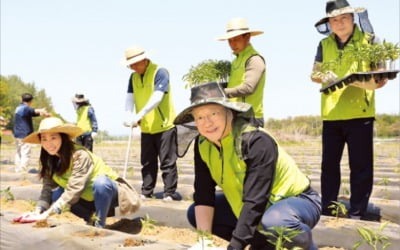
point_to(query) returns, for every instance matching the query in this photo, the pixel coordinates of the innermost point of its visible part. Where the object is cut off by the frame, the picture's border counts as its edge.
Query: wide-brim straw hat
(133, 55)
(79, 98)
(335, 8)
(238, 26)
(53, 125)
(209, 93)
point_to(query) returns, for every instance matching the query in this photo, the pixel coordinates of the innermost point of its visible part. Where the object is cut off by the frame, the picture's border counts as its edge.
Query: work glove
(134, 122)
(328, 77)
(57, 207)
(205, 244)
(93, 134)
(32, 216)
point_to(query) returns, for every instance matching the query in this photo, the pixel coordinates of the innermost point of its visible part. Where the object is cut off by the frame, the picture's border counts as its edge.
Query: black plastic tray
(366, 80)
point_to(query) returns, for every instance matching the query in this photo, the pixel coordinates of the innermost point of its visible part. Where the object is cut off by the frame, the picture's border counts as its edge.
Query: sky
(66, 47)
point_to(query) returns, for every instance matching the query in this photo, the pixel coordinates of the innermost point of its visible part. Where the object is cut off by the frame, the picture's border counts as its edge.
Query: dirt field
(387, 157)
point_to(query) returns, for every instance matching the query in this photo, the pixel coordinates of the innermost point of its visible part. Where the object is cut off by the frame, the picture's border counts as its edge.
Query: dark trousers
(358, 135)
(300, 212)
(162, 147)
(85, 140)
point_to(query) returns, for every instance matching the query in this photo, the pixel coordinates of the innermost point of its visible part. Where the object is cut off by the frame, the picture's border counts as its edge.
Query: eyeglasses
(212, 117)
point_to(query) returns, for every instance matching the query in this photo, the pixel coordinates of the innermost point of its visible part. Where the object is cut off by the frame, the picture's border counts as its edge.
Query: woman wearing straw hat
(261, 185)
(247, 77)
(75, 178)
(347, 113)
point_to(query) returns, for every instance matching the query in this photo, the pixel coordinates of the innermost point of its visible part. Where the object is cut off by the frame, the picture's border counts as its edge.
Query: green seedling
(338, 209)
(372, 238)
(8, 195)
(280, 236)
(147, 222)
(202, 236)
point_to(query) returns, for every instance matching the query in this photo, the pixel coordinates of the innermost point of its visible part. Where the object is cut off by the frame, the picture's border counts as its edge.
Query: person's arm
(316, 74)
(204, 192)
(130, 98)
(262, 154)
(92, 117)
(255, 67)
(45, 195)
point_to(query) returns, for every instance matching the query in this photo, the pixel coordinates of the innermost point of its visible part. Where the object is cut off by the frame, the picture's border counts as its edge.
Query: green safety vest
(83, 119)
(99, 168)
(236, 78)
(348, 102)
(160, 118)
(228, 171)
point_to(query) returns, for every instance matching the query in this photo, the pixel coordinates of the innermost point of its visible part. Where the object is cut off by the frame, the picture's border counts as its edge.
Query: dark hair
(52, 164)
(26, 97)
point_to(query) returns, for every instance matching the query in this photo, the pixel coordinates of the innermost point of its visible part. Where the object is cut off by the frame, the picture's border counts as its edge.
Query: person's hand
(32, 216)
(204, 244)
(328, 77)
(93, 134)
(57, 207)
(134, 122)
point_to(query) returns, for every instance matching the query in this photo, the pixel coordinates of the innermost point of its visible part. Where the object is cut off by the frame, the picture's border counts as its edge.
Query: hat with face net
(335, 8)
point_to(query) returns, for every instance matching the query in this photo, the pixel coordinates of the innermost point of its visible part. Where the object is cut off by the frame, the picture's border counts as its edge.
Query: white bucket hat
(238, 26)
(53, 125)
(133, 55)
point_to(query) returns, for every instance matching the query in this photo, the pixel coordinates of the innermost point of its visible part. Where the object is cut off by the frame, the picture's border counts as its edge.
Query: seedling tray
(365, 80)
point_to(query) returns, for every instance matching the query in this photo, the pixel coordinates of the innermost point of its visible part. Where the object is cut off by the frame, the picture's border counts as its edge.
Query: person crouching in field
(262, 187)
(76, 179)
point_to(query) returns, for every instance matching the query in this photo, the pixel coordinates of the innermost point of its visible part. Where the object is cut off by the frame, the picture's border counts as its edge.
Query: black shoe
(33, 171)
(175, 196)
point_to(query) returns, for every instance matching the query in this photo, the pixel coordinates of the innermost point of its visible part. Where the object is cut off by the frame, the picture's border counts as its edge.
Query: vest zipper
(221, 156)
(162, 116)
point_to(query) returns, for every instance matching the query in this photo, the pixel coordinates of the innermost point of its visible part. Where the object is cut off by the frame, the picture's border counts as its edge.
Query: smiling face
(239, 43)
(213, 121)
(51, 142)
(342, 26)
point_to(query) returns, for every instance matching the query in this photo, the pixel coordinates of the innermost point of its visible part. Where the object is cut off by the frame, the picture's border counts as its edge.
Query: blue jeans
(105, 193)
(300, 212)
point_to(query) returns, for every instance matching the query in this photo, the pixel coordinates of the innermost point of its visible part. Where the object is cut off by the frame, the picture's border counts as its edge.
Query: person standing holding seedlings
(348, 113)
(247, 77)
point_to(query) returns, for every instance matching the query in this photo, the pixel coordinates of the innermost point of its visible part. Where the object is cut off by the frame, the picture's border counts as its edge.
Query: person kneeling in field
(76, 179)
(262, 187)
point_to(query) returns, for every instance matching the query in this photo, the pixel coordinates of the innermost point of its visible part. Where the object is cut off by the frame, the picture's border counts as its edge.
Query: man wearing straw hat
(247, 77)
(347, 113)
(149, 92)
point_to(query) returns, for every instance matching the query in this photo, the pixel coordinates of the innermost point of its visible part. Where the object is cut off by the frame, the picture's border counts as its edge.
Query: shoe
(355, 217)
(145, 197)
(168, 198)
(172, 197)
(33, 171)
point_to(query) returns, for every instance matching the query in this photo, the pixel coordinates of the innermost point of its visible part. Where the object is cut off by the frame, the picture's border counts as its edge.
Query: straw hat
(133, 55)
(209, 93)
(79, 98)
(238, 26)
(53, 125)
(335, 8)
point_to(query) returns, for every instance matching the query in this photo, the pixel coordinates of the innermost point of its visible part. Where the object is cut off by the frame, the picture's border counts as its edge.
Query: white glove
(134, 122)
(93, 134)
(57, 207)
(205, 244)
(328, 77)
(32, 216)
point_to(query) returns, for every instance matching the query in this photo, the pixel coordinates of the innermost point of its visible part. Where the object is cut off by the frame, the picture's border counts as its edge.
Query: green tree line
(11, 88)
